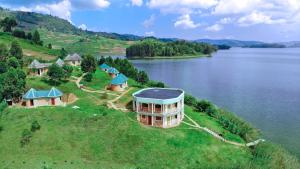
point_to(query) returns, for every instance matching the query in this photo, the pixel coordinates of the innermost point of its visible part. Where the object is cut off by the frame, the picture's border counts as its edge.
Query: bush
(19, 33)
(190, 100)
(156, 84)
(26, 137)
(204, 106)
(88, 77)
(35, 126)
(1, 128)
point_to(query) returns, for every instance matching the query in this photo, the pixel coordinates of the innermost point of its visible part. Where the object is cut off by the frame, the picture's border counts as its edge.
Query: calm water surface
(260, 85)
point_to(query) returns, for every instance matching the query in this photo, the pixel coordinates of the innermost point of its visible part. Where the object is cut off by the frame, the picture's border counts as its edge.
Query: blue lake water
(260, 85)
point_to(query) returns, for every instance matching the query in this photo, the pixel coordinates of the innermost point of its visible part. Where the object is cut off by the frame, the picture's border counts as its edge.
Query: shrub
(1, 128)
(26, 136)
(190, 100)
(19, 33)
(204, 106)
(156, 84)
(88, 77)
(35, 126)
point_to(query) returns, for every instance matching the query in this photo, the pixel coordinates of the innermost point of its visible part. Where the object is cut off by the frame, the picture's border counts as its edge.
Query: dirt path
(111, 104)
(78, 80)
(217, 136)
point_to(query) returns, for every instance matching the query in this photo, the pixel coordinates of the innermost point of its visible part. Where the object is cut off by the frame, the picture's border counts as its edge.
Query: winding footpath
(194, 124)
(217, 136)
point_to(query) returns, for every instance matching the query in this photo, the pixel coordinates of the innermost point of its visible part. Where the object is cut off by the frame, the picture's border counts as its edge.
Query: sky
(263, 20)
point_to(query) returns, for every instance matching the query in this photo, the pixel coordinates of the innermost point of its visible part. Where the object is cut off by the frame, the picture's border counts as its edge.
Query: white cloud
(90, 4)
(149, 22)
(151, 33)
(82, 26)
(61, 9)
(194, 4)
(214, 28)
(136, 2)
(225, 21)
(258, 18)
(186, 22)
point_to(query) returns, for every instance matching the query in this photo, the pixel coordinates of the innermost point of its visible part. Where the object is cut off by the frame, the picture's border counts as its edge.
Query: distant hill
(292, 44)
(230, 42)
(32, 20)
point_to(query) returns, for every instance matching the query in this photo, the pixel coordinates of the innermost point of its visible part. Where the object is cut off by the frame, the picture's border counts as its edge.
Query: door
(39, 72)
(52, 101)
(31, 103)
(149, 120)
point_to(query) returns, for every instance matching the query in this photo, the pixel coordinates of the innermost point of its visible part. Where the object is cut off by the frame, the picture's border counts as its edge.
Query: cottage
(36, 98)
(113, 72)
(119, 83)
(73, 60)
(37, 68)
(60, 62)
(159, 107)
(104, 67)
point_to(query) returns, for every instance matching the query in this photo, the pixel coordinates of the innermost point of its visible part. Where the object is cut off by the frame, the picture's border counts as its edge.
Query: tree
(67, 71)
(36, 37)
(88, 77)
(142, 77)
(49, 46)
(13, 84)
(19, 33)
(29, 36)
(63, 53)
(8, 23)
(3, 53)
(16, 51)
(13, 62)
(88, 64)
(55, 72)
(3, 67)
(101, 60)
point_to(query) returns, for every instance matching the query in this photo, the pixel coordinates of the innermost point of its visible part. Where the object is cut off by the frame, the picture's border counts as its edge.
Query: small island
(154, 49)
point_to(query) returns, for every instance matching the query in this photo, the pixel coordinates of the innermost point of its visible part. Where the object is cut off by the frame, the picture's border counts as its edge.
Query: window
(143, 116)
(158, 118)
(157, 106)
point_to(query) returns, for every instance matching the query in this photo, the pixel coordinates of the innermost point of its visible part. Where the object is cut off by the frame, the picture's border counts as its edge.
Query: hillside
(32, 20)
(94, 136)
(230, 42)
(30, 50)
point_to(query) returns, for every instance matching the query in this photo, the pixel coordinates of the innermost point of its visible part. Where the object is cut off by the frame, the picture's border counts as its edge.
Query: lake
(260, 85)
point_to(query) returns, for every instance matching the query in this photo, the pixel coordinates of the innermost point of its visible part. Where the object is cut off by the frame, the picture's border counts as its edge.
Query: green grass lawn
(99, 82)
(96, 137)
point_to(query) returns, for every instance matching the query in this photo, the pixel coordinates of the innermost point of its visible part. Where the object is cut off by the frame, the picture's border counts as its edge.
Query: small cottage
(113, 72)
(37, 68)
(104, 67)
(119, 83)
(36, 98)
(60, 62)
(73, 60)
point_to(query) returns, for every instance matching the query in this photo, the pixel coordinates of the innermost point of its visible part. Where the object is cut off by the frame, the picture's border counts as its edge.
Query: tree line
(152, 48)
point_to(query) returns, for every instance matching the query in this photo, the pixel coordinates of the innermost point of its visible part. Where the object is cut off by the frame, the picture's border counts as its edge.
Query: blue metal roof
(104, 66)
(113, 70)
(35, 94)
(120, 79)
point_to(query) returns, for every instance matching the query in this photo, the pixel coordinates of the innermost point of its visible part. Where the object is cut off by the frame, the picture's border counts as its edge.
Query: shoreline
(166, 57)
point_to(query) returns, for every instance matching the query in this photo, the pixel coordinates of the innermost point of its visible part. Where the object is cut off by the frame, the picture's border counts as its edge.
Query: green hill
(94, 136)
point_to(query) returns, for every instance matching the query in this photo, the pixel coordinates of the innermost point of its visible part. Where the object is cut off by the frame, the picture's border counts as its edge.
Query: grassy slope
(99, 82)
(77, 138)
(30, 49)
(91, 44)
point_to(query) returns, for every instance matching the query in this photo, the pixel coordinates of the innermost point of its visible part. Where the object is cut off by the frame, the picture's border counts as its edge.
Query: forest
(154, 48)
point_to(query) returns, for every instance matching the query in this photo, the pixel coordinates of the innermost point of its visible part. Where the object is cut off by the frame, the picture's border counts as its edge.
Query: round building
(159, 107)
